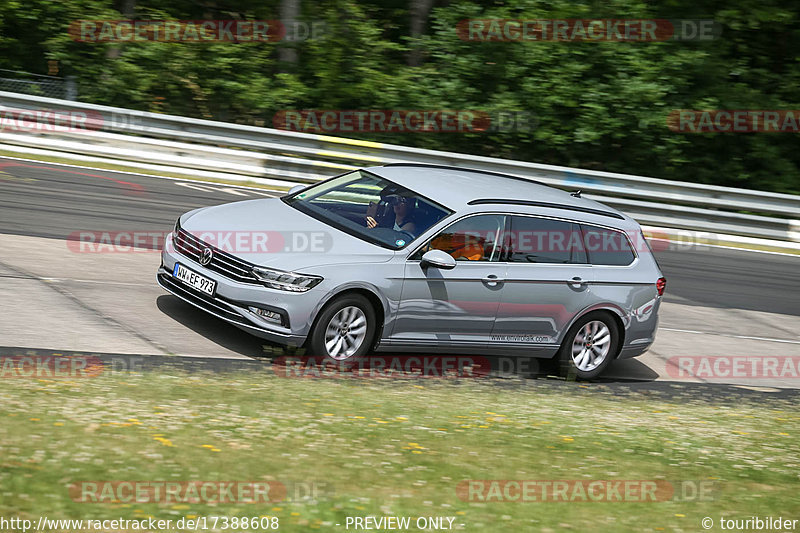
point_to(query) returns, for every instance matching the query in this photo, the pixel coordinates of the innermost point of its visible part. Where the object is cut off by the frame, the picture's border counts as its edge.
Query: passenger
(460, 246)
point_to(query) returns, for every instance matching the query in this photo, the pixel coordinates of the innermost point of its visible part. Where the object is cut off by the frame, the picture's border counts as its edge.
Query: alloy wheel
(591, 345)
(345, 333)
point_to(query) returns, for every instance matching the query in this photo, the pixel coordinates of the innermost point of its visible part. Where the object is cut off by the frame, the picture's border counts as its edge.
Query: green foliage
(598, 105)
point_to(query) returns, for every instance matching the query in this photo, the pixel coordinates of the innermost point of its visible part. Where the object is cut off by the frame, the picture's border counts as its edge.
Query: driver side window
(475, 238)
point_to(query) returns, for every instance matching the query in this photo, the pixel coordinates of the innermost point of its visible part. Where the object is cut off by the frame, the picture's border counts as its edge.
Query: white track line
(785, 254)
(140, 174)
(98, 281)
(747, 337)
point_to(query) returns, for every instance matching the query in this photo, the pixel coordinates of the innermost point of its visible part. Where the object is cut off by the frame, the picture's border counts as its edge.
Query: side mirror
(438, 259)
(297, 188)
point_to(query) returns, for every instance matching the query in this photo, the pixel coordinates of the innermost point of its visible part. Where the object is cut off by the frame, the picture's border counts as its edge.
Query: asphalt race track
(719, 302)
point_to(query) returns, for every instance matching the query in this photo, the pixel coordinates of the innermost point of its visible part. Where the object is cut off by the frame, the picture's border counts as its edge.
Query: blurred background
(597, 105)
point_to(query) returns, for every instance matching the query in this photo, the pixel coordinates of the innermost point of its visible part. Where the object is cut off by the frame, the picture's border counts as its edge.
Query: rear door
(548, 280)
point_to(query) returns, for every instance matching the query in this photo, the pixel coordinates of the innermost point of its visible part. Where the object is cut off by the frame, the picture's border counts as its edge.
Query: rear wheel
(589, 346)
(344, 329)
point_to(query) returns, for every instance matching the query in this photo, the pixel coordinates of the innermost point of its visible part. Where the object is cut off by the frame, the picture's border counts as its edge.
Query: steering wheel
(411, 236)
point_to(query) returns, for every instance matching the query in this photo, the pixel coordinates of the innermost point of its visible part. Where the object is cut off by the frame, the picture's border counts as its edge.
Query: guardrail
(205, 148)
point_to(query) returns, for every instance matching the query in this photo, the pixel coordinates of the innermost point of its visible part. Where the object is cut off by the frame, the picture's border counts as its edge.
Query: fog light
(266, 314)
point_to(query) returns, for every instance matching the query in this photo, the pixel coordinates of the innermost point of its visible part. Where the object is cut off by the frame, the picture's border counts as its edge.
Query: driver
(404, 206)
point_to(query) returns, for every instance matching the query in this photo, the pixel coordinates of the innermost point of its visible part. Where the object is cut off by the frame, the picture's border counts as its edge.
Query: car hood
(268, 232)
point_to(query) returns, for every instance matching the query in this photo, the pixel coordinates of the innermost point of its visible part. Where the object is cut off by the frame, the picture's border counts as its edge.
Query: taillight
(661, 284)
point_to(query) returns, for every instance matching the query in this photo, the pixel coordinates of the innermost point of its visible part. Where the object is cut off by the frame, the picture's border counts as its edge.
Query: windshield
(371, 208)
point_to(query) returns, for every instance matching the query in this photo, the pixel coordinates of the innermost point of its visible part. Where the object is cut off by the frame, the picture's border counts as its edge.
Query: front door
(454, 307)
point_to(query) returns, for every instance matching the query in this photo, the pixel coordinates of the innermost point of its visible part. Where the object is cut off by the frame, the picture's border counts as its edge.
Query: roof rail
(465, 169)
(532, 203)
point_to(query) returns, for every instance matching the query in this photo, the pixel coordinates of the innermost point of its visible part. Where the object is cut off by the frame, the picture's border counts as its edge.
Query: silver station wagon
(414, 257)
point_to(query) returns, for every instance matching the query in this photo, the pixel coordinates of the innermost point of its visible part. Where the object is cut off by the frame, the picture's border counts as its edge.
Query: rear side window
(607, 246)
(543, 240)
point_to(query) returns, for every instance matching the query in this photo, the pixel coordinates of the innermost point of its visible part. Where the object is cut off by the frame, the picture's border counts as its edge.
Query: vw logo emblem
(205, 257)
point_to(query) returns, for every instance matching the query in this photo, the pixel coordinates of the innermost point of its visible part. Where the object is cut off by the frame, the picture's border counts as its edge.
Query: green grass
(393, 447)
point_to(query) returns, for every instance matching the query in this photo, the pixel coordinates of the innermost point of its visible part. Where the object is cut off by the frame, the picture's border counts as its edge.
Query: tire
(589, 346)
(345, 329)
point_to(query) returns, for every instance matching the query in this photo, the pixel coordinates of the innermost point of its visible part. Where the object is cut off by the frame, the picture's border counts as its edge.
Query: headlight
(285, 281)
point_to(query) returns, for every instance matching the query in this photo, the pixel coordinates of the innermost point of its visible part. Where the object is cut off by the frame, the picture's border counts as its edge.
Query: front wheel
(589, 346)
(345, 328)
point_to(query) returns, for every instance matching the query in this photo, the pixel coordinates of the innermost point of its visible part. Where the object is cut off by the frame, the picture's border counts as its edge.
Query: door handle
(577, 280)
(492, 280)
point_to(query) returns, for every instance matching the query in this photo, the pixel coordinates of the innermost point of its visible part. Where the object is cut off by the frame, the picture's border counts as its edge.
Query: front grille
(223, 263)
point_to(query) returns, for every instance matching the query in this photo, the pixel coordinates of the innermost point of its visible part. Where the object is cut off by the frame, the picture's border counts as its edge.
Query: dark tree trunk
(290, 11)
(420, 10)
(128, 10)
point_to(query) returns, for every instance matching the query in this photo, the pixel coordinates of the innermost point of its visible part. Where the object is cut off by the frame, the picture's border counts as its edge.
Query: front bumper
(232, 299)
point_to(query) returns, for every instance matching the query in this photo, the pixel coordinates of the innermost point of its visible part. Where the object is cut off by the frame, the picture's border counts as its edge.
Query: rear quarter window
(607, 246)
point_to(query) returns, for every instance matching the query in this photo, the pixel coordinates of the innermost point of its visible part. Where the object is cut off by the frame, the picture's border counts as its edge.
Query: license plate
(193, 279)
